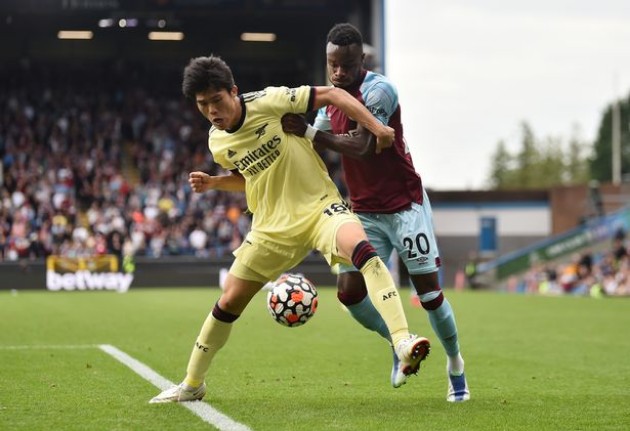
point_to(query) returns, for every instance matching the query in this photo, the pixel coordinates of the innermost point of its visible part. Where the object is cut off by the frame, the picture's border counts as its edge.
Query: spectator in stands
(619, 250)
(198, 239)
(605, 272)
(63, 149)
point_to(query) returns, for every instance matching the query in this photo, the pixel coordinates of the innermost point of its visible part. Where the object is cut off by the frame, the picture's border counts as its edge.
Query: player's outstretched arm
(201, 182)
(355, 110)
(359, 146)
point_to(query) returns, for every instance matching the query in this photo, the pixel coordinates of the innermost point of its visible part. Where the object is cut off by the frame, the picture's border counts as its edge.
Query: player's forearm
(227, 183)
(355, 110)
(202, 182)
(354, 147)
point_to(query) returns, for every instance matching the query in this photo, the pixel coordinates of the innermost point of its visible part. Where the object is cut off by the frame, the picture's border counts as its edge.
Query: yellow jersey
(286, 183)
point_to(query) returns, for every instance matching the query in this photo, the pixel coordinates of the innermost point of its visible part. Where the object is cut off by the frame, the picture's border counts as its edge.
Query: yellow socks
(214, 333)
(384, 296)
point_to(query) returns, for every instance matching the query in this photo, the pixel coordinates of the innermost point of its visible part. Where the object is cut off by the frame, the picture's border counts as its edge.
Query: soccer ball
(292, 301)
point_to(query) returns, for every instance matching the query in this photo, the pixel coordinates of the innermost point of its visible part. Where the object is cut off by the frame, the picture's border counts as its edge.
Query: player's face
(221, 107)
(344, 64)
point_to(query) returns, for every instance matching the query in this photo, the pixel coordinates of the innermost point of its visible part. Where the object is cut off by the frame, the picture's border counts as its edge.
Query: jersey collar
(242, 119)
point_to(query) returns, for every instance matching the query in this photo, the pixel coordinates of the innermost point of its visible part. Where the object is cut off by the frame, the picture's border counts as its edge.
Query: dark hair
(345, 34)
(206, 73)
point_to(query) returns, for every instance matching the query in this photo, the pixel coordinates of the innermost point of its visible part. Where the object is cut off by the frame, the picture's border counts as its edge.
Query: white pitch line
(204, 410)
(47, 347)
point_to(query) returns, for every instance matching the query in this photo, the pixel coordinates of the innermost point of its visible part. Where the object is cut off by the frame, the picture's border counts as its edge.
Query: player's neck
(237, 113)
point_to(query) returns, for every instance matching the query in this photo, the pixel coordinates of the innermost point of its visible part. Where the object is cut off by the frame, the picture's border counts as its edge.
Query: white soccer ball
(292, 301)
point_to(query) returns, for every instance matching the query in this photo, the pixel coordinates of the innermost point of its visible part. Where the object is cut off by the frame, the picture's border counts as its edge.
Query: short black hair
(206, 73)
(345, 34)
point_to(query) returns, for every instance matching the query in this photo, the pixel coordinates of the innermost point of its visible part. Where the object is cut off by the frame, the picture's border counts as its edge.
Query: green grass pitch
(533, 363)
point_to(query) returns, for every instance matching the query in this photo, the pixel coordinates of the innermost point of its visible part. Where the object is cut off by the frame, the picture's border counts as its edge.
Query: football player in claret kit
(296, 207)
(387, 195)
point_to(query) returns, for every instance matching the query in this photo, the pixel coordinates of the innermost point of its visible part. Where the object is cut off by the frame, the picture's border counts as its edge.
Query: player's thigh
(336, 233)
(414, 238)
(377, 230)
(263, 260)
(377, 234)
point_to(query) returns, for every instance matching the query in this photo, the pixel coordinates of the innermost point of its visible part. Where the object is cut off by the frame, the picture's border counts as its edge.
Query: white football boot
(410, 352)
(180, 393)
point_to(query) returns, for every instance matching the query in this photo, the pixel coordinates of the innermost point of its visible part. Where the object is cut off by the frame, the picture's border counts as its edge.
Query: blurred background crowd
(97, 163)
(605, 271)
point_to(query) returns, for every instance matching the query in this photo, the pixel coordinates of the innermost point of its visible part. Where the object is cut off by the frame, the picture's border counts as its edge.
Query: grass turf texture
(533, 363)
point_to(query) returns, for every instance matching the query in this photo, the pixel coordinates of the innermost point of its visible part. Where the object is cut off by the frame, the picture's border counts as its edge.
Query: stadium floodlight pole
(616, 135)
(616, 143)
(378, 34)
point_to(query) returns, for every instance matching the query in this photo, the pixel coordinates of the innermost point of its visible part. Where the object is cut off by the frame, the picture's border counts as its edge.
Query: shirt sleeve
(322, 120)
(381, 99)
(296, 100)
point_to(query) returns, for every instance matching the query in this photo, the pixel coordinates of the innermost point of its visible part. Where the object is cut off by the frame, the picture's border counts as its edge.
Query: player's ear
(234, 90)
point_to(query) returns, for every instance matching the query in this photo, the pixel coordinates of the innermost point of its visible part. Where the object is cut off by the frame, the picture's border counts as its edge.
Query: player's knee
(351, 288)
(363, 252)
(233, 302)
(220, 313)
(425, 283)
(432, 300)
(349, 236)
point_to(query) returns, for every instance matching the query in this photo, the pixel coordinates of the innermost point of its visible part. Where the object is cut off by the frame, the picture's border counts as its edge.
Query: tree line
(554, 161)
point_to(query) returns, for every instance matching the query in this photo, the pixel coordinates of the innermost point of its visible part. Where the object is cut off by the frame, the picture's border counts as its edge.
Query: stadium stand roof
(29, 28)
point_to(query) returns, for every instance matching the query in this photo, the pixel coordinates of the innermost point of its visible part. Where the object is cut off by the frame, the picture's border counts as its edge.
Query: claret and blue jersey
(385, 182)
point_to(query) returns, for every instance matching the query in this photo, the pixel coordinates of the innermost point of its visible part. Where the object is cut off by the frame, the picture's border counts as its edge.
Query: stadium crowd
(98, 163)
(594, 273)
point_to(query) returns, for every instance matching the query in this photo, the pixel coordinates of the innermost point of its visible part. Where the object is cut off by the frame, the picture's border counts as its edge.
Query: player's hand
(294, 124)
(199, 181)
(385, 139)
